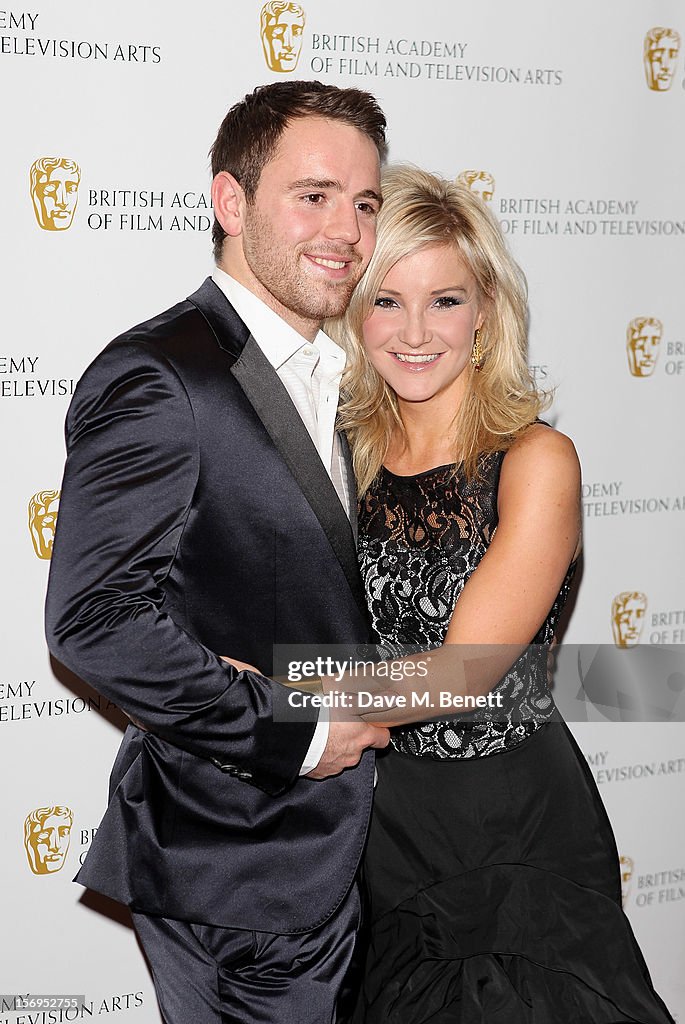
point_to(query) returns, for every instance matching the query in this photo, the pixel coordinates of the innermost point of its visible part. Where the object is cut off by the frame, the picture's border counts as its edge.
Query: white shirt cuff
(318, 743)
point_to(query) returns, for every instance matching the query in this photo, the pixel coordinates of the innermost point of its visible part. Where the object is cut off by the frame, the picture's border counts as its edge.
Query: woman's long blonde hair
(421, 210)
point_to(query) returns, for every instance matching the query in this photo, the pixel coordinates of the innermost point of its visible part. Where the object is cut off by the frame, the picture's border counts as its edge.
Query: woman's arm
(509, 595)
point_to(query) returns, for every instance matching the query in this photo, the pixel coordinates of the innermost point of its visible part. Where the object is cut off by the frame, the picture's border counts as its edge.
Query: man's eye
(367, 208)
(315, 198)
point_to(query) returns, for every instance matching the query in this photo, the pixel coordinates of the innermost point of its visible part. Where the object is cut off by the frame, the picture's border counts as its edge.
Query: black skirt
(494, 894)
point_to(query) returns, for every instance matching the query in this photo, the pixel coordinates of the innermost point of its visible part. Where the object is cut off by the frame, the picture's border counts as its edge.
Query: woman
(491, 868)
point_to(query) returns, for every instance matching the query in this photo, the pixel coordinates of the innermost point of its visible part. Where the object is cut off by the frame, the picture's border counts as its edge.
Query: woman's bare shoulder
(543, 450)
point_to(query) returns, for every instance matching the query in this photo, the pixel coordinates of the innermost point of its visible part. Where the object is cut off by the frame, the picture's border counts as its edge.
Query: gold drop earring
(477, 351)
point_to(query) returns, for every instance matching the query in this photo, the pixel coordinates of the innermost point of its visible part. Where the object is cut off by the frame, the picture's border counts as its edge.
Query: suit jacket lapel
(274, 407)
(351, 482)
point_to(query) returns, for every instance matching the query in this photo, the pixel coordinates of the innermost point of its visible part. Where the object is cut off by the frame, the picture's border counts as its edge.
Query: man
(627, 617)
(662, 46)
(281, 27)
(47, 832)
(642, 345)
(54, 190)
(202, 514)
(480, 182)
(627, 866)
(43, 508)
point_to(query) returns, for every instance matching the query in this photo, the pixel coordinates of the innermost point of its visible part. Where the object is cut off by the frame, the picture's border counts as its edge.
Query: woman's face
(420, 333)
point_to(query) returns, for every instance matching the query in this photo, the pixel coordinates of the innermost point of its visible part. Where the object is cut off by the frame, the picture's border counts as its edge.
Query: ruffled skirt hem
(507, 944)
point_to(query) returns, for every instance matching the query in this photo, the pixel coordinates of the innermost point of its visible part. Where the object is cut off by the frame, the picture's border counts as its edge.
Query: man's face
(283, 35)
(57, 194)
(662, 57)
(626, 876)
(43, 523)
(629, 616)
(50, 843)
(309, 234)
(483, 187)
(643, 349)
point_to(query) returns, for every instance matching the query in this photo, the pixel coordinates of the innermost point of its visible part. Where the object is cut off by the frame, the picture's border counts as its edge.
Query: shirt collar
(277, 339)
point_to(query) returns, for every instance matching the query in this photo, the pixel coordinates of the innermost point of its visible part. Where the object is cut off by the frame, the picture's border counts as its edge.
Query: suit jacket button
(244, 775)
(231, 768)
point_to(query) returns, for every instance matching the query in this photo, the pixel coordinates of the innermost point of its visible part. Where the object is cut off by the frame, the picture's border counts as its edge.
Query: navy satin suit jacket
(197, 519)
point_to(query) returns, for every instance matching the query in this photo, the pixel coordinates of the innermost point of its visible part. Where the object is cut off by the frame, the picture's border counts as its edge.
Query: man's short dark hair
(250, 132)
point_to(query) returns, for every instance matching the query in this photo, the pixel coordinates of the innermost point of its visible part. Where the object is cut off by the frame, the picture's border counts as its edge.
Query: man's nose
(343, 223)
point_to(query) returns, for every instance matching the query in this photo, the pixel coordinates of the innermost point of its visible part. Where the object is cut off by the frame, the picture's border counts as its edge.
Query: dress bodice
(420, 538)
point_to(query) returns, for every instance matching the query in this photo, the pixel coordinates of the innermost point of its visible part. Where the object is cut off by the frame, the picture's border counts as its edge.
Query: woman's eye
(383, 302)
(447, 302)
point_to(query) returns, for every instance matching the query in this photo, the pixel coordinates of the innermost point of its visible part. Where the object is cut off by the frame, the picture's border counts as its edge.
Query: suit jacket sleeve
(130, 476)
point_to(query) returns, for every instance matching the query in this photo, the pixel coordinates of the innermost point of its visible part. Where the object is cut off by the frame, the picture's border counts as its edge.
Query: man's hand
(347, 741)
(242, 666)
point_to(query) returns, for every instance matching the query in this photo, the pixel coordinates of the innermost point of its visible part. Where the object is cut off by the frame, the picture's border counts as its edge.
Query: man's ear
(228, 200)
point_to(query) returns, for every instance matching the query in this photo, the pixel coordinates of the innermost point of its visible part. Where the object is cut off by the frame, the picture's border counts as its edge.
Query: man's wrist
(317, 744)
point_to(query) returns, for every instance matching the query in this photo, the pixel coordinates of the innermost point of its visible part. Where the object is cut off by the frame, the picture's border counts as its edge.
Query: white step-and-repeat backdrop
(568, 119)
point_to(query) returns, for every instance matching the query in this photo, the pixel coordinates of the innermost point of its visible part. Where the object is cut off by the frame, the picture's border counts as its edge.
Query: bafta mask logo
(642, 344)
(47, 832)
(480, 182)
(628, 617)
(42, 521)
(662, 46)
(282, 25)
(626, 868)
(54, 190)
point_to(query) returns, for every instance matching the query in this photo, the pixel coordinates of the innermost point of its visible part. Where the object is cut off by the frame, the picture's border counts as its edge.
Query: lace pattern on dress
(420, 538)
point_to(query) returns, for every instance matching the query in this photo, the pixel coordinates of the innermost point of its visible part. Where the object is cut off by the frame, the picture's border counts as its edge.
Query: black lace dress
(491, 870)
